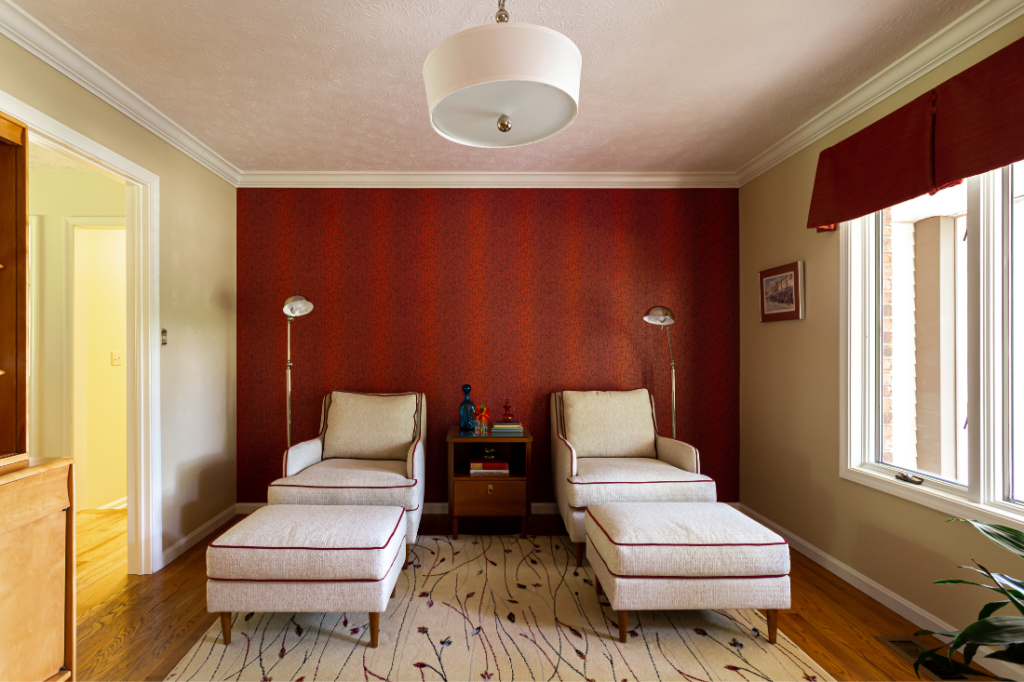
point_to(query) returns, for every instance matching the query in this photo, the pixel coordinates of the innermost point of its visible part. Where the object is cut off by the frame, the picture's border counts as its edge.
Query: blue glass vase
(467, 411)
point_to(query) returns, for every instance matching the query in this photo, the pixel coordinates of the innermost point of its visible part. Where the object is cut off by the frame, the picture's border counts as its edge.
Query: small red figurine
(510, 414)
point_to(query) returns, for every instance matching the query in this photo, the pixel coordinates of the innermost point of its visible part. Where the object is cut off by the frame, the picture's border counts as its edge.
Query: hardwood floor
(148, 623)
(102, 561)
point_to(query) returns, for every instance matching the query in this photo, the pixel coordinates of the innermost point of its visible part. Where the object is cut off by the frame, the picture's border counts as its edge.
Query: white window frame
(984, 498)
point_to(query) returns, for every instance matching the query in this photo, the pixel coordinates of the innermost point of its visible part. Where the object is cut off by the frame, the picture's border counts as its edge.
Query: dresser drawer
(490, 498)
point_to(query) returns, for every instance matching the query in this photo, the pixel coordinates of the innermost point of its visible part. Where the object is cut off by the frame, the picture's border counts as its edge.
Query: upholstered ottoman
(307, 559)
(686, 555)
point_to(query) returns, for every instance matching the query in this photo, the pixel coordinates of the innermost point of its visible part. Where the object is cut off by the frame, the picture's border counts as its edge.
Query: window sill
(940, 500)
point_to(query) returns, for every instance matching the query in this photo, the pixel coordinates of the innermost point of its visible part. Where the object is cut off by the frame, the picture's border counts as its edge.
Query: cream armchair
(605, 447)
(369, 452)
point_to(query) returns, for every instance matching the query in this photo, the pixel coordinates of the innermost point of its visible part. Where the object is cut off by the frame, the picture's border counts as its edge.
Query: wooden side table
(490, 495)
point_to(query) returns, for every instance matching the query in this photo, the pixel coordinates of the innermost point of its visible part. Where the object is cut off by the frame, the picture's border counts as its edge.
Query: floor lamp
(296, 306)
(663, 317)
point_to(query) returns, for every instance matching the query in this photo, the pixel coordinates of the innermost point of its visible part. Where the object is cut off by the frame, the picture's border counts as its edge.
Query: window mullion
(985, 232)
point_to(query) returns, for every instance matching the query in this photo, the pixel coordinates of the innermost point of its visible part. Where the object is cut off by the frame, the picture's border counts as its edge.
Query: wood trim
(12, 463)
(11, 131)
(13, 285)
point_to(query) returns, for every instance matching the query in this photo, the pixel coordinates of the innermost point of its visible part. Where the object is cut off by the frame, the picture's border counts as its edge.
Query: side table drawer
(490, 498)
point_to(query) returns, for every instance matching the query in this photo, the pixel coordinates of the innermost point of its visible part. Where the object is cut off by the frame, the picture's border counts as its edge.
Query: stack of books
(512, 429)
(488, 467)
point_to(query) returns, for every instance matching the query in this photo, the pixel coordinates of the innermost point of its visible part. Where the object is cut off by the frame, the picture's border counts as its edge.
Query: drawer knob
(490, 489)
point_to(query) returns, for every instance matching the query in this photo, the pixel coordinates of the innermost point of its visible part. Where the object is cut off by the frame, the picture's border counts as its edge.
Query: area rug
(497, 608)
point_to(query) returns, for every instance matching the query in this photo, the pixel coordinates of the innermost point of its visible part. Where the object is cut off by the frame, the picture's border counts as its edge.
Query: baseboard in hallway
(116, 504)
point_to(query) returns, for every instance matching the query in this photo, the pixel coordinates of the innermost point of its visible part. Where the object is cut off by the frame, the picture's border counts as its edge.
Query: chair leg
(394, 591)
(597, 586)
(406, 557)
(374, 628)
(225, 626)
(623, 625)
(579, 554)
(773, 625)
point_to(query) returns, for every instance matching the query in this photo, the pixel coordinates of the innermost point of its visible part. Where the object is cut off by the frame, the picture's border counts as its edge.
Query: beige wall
(197, 293)
(789, 397)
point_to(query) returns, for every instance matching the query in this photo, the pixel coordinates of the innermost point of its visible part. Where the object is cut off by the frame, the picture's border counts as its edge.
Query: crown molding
(971, 28)
(486, 180)
(28, 33)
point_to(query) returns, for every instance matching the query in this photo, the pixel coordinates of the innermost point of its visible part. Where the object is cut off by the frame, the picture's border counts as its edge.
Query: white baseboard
(182, 545)
(116, 504)
(912, 612)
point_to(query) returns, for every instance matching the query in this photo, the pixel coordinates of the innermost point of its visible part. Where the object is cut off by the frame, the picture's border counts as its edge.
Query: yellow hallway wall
(789, 396)
(103, 259)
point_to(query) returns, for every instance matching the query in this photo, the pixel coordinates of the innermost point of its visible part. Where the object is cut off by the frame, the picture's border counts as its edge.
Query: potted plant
(1006, 631)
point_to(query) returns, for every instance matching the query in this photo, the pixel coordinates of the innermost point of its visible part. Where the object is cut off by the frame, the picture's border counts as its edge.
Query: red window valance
(972, 123)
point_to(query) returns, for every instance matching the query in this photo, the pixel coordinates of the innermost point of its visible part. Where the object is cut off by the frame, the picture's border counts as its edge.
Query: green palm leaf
(1010, 539)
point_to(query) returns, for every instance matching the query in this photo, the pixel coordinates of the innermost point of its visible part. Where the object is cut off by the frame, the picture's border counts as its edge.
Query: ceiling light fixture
(503, 84)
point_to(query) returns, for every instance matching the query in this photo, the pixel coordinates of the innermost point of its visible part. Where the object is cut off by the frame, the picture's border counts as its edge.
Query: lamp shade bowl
(297, 306)
(660, 315)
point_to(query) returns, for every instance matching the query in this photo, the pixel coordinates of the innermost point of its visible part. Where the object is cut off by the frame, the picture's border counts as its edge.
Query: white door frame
(142, 359)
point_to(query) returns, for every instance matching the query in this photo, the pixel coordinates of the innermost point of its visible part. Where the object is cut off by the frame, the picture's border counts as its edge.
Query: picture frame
(782, 292)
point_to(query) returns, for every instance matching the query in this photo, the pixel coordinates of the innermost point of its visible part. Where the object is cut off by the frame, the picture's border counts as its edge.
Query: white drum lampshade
(503, 85)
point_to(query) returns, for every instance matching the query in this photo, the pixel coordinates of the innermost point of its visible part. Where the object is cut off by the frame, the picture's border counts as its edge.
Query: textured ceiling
(336, 85)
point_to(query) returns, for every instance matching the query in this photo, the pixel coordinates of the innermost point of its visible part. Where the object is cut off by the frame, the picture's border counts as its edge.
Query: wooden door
(13, 285)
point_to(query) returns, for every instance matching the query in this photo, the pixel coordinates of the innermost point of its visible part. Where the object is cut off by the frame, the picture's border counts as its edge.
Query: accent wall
(517, 292)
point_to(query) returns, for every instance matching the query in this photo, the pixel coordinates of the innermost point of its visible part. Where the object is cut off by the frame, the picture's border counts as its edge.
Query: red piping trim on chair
(275, 484)
(400, 517)
(283, 580)
(681, 544)
(680, 577)
(703, 480)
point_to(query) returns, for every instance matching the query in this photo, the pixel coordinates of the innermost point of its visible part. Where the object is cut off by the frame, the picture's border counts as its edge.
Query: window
(921, 302)
(933, 333)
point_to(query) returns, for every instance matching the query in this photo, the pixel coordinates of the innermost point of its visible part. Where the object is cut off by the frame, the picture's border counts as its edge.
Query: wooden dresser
(37, 569)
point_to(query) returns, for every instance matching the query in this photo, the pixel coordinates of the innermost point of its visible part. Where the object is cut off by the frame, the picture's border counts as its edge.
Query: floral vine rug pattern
(497, 608)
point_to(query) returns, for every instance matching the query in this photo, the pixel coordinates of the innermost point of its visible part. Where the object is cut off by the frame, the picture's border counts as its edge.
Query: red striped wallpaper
(519, 292)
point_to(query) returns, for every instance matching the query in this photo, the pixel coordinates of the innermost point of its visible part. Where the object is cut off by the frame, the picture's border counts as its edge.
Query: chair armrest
(416, 461)
(416, 458)
(302, 455)
(564, 457)
(677, 453)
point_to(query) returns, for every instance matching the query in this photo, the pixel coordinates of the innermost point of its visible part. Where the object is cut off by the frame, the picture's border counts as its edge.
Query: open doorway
(77, 346)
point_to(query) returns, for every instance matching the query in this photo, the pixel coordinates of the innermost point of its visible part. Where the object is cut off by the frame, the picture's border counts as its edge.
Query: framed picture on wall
(782, 293)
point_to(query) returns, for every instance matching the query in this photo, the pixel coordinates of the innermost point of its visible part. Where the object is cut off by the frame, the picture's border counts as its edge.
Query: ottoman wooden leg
(597, 586)
(579, 554)
(374, 628)
(406, 557)
(623, 624)
(225, 625)
(773, 625)
(394, 591)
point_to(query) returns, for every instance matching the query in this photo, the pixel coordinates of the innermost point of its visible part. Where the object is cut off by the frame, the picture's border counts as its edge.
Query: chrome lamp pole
(296, 306)
(663, 317)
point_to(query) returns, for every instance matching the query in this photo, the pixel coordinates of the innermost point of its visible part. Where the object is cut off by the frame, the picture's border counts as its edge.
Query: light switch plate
(116, 358)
